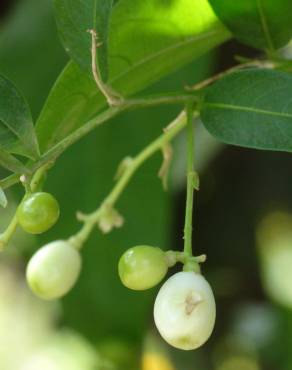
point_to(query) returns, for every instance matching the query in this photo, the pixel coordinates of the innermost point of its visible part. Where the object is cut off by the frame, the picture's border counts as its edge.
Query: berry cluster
(184, 309)
(54, 268)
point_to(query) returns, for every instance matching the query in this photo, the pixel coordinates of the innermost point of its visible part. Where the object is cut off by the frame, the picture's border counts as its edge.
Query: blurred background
(243, 222)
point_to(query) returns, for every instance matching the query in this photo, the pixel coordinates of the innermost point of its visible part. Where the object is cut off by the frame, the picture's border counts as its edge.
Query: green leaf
(264, 24)
(148, 40)
(11, 163)
(3, 199)
(74, 19)
(17, 133)
(251, 108)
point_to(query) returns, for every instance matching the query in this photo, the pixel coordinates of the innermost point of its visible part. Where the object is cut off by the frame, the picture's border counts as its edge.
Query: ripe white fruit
(185, 310)
(53, 269)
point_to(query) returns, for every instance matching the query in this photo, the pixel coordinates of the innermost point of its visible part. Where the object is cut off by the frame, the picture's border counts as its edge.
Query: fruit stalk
(188, 228)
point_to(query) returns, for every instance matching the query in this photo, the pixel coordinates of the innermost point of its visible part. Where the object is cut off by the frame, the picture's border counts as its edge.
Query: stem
(7, 234)
(112, 97)
(155, 146)
(173, 257)
(190, 182)
(53, 153)
(92, 219)
(254, 63)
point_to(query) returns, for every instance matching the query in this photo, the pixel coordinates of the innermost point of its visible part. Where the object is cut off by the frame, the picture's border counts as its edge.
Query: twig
(91, 220)
(218, 76)
(113, 98)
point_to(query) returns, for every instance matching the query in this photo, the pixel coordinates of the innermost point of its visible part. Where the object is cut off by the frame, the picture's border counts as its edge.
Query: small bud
(109, 220)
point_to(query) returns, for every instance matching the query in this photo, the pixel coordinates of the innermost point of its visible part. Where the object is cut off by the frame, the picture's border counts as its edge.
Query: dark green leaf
(74, 19)
(264, 24)
(251, 108)
(11, 163)
(148, 41)
(3, 199)
(17, 133)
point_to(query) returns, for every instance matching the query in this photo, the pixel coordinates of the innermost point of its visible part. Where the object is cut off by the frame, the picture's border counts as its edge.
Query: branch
(94, 218)
(53, 153)
(218, 76)
(113, 98)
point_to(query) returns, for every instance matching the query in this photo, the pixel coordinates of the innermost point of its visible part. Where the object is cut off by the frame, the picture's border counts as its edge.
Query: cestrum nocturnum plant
(259, 118)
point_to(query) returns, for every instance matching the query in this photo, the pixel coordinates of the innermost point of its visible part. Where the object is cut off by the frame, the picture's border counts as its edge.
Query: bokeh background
(243, 221)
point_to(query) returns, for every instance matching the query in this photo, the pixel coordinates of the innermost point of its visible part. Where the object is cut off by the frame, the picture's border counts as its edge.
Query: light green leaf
(17, 133)
(74, 19)
(264, 24)
(11, 163)
(251, 108)
(148, 40)
(3, 199)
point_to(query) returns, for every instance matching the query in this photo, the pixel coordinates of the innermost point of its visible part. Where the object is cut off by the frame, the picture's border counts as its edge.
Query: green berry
(38, 212)
(53, 270)
(142, 267)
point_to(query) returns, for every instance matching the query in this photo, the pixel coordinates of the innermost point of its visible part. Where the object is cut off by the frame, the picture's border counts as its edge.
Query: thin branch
(113, 98)
(54, 152)
(91, 220)
(188, 228)
(218, 76)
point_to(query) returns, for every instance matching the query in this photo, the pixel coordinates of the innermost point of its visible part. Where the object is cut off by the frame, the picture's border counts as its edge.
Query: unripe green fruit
(185, 310)
(142, 267)
(53, 270)
(38, 212)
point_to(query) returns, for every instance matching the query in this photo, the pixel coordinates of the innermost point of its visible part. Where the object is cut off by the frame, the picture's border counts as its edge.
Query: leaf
(148, 40)
(3, 199)
(17, 133)
(251, 108)
(74, 19)
(11, 163)
(263, 24)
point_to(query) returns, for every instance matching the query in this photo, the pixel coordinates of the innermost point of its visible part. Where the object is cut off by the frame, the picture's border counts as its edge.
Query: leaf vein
(164, 51)
(265, 25)
(248, 109)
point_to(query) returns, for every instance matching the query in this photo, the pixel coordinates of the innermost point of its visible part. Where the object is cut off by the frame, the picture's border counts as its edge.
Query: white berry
(185, 310)
(53, 270)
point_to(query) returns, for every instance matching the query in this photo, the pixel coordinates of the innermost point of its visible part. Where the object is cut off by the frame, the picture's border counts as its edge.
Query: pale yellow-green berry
(53, 270)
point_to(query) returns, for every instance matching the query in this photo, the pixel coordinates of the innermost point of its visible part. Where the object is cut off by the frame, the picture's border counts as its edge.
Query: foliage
(141, 43)
(262, 24)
